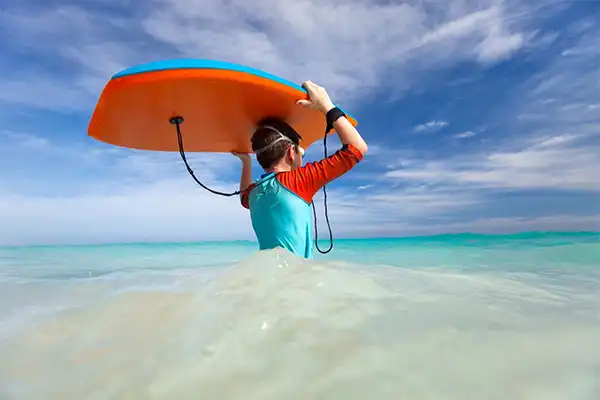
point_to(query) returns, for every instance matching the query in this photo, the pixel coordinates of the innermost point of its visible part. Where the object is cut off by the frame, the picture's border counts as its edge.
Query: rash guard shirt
(281, 205)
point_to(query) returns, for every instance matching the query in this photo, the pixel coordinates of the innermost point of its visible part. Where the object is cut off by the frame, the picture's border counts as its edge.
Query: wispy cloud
(465, 134)
(485, 32)
(168, 210)
(431, 126)
(24, 140)
(561, 223)
(114, 195)
(561, 162)
(560, 149)
(299, 40)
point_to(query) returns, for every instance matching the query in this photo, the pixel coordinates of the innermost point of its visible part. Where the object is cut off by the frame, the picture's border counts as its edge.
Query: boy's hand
(245, 157)
(318, 98)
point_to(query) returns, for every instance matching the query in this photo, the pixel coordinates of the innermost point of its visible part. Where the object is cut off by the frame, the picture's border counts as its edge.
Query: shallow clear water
(447, 317)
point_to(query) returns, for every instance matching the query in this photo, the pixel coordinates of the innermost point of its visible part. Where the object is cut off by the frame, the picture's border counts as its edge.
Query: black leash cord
(177, 121)
(325, 204)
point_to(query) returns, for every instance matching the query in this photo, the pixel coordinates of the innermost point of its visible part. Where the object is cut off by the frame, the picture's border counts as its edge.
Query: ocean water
(446, 317)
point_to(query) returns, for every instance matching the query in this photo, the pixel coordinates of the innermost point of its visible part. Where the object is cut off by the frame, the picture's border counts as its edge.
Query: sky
(480, 116)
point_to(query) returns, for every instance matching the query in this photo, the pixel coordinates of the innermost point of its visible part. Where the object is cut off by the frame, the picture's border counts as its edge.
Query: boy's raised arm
(319, 100)
(246, 178)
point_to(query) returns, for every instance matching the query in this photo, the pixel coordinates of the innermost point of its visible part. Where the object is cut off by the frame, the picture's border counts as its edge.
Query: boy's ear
(291, 151)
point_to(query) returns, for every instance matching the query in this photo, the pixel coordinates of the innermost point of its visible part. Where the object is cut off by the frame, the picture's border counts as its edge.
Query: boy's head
(276, 143)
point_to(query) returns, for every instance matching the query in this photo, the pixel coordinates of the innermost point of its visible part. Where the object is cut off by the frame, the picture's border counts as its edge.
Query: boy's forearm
(246, 179)
(349, 135)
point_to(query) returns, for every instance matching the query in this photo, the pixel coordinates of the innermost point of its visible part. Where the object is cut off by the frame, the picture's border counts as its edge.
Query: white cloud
(86, 169)
(25, 140)
(45, 92)
(384, 209)
(150, 197)
(113, 194)
(497, 45)
(560, 223)
(464, 135)
(179, 210)
(350, 48)
(483, 32)
(431, 126)
(554, 163)
(556, 147)
(170, 210)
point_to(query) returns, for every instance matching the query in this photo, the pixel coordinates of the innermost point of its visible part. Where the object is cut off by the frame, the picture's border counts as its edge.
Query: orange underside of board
(221, 109)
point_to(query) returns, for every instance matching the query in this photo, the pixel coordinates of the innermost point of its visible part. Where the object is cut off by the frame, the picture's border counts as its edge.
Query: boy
(280, 201)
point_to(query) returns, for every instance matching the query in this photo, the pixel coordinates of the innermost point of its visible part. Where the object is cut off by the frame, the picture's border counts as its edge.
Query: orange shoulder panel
(244, 197)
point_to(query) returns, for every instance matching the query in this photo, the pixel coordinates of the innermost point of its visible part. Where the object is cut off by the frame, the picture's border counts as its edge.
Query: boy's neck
(283, 167)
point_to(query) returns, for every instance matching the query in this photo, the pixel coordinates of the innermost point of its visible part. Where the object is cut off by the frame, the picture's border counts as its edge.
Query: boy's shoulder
(305, 181)
(308, 179)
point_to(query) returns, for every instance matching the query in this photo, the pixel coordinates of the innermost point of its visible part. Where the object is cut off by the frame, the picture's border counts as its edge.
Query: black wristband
(332, 116)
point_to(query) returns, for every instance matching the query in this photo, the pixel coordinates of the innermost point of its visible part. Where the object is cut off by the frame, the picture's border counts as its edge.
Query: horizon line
(254, 241)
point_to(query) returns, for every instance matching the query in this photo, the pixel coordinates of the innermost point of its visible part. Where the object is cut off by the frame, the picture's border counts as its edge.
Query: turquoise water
(450, 317)
(535, 252)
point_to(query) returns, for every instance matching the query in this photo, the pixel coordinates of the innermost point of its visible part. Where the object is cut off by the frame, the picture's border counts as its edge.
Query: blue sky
(481, 116)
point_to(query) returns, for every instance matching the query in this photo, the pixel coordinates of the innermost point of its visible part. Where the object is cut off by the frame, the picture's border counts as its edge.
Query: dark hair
(264, 136)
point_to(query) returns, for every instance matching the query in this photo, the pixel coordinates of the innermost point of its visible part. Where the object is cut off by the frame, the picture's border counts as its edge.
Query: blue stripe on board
(201, 64)
(193, 63)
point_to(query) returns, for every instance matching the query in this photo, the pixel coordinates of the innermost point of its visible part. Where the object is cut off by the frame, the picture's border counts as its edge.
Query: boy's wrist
(327, 107)
(245, 159)
(332, 116)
